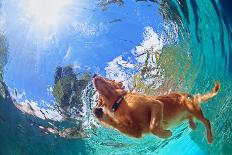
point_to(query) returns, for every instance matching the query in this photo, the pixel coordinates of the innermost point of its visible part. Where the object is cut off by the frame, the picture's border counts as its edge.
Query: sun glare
(45, 14)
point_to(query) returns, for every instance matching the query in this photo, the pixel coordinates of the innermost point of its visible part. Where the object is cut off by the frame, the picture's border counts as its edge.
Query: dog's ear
(100, 101)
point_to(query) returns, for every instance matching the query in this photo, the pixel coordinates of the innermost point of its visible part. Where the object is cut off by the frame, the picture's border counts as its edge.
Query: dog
(136, 114)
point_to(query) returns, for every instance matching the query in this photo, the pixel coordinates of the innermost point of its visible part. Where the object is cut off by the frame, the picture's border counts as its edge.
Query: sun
(45, 14)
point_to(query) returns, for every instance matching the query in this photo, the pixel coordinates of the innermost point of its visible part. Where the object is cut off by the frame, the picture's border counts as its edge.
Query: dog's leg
(199, 115)
(192, 124)
(193, 107)
(196, 111)
(126, 127)
(156, 124)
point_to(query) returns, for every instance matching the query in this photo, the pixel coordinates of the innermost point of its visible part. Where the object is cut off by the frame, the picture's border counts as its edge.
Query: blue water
(197, 52)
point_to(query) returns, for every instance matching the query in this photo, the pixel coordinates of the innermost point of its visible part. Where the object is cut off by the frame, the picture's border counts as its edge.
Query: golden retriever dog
(135, 114)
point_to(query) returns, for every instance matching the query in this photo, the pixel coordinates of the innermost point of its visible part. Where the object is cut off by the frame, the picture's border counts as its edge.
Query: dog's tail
(199, 98)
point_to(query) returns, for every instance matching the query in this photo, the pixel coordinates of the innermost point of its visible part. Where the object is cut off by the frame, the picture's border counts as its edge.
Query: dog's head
(109, 91)
(108, 88)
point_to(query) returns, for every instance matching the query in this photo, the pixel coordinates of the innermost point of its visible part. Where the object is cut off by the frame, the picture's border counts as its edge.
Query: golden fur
(140, 114)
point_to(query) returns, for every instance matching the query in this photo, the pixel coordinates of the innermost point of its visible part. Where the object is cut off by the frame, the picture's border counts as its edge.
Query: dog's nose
(94, 75)
(98, 112)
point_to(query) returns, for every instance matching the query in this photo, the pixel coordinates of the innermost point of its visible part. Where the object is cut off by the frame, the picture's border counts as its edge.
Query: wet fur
(140, 114)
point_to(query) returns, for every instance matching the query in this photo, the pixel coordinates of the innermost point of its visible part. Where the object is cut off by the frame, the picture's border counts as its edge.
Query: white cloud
(50, 89)
(151, 43)
(2, 22)
(123, 63)
(68, 54)
(116, 70)
(32, 108)
(87, 29)
(122, 70)
(16, 94)
(76, 65)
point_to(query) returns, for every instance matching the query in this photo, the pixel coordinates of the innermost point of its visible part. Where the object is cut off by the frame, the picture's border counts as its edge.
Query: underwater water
(50, 49)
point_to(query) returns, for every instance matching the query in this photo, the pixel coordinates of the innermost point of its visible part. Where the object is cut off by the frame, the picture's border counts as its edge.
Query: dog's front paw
(209, 138)
(166, 133)
(161, 133)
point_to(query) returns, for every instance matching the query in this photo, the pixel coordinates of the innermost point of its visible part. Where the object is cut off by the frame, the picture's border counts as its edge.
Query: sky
(43, 34)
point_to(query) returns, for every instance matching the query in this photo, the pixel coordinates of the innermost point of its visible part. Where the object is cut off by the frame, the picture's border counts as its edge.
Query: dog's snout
(94, 75)
(98, 112)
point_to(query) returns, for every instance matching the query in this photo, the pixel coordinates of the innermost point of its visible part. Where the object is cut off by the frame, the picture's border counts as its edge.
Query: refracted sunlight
(45, 14)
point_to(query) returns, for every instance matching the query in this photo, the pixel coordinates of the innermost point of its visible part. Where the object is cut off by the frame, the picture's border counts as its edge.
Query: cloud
(32, 108)
(119, 60)
(76, 65)
(151, 43)
(119, 70)
(87, 29)
(2, 22)
(122, 70)
(16, 94)
(49, 90)
(68, 54)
